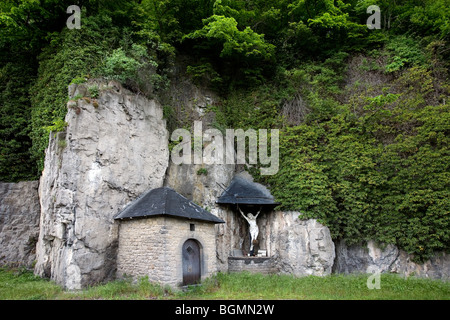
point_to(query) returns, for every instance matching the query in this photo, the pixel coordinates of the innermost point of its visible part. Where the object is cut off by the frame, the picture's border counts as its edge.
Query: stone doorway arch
(191, 260)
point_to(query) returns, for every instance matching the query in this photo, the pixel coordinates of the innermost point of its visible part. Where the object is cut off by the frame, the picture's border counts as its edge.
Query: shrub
(119, 66)
(135, 69)
(202, 171)
(93, 91)
(404, 52)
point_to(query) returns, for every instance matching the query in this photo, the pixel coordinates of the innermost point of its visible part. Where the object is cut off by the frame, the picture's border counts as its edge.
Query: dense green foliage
(15, 119)
(371, 161)
(343, 172)
(363, 114)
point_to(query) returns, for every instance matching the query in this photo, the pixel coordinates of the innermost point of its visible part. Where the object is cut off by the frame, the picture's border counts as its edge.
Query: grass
(256, 286)
(23, 285)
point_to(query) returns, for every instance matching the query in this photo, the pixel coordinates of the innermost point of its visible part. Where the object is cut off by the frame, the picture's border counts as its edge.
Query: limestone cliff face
(19, 223)
(114, 148)
(299, 247)
(370, 258)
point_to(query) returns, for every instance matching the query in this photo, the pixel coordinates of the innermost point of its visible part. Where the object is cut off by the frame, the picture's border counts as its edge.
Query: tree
(245, 51)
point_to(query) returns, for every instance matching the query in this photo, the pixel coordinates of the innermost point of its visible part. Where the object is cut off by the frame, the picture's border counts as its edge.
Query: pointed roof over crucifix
(244, 191)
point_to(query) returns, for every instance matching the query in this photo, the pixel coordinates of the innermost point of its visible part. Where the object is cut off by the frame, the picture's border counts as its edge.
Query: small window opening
(192, 227)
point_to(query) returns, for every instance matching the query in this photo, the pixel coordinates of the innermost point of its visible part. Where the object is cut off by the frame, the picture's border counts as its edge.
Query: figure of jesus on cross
(254, 230)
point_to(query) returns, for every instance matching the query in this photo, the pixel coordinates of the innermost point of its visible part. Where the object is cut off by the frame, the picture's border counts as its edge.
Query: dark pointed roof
(166, 201)
(244, 191)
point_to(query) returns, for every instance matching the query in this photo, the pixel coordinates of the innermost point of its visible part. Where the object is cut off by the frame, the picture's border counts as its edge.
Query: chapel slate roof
(166, 201)
(244, 191)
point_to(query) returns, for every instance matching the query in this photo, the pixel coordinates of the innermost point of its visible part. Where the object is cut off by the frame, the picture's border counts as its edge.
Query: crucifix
(254, 230)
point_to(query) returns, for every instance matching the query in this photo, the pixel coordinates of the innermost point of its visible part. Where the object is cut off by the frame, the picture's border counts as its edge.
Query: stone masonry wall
(141, 248)
(251, 264)
(152, 247)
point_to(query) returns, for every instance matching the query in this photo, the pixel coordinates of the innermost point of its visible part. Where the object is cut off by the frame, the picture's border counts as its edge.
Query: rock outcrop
(19, 223)
(114, 148)
(371, 258)
(299, 247)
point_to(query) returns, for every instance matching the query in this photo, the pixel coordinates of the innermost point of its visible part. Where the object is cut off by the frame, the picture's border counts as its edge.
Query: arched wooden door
(191, 262)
